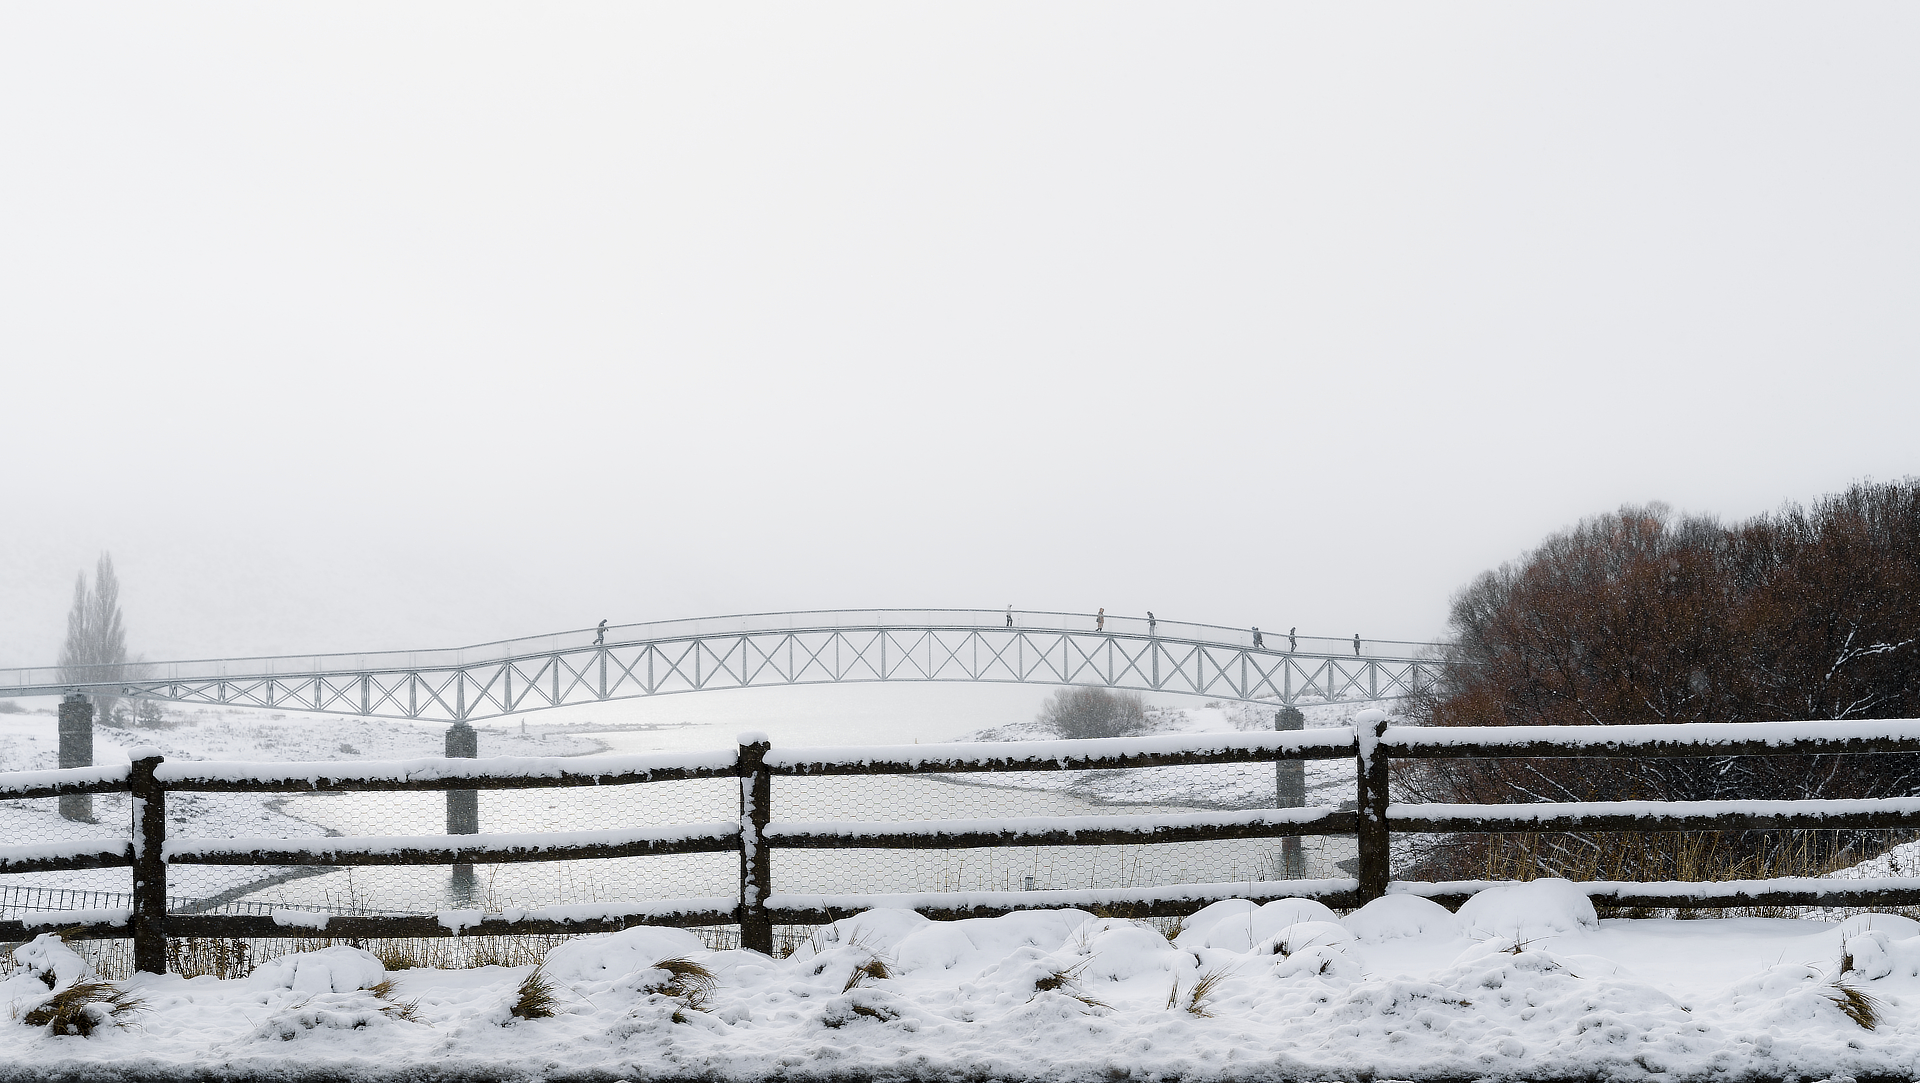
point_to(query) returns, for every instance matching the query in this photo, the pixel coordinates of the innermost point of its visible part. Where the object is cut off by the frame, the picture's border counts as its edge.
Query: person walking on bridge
(1293, 644)
(1009, 616)
(1356, 644)
(1259, 644)
(1151, 623)
(1100, 622)
(600, 633)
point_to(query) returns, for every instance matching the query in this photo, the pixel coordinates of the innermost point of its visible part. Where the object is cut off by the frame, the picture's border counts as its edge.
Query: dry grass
(82, 1006)
(536, 998)
(394, 1007)
(1067, 983)
(1204, 989)
(691, 983)
(1694, 857)
(220, 957)
(1860, 1007)
(874, 969)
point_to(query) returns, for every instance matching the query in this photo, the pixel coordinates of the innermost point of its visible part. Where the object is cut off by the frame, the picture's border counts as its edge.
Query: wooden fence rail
(756, 908)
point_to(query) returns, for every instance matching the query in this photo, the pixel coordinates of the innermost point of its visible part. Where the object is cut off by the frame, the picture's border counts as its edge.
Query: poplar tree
(96, 646)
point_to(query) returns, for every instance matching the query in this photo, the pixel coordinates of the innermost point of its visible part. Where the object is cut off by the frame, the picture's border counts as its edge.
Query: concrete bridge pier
(463, 808)
(1290, 791)
(76, 750)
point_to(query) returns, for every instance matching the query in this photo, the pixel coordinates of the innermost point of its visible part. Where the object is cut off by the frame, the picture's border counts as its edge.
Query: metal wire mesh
(863, 799)
(988, 796)
(424, 814)
(40, 820)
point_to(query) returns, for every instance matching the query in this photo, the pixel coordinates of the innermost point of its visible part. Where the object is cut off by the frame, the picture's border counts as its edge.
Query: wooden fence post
(1371, 770)
(756, 862)
(149, 864)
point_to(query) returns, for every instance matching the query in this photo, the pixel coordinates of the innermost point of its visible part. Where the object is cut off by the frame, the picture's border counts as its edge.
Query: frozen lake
(857, 716)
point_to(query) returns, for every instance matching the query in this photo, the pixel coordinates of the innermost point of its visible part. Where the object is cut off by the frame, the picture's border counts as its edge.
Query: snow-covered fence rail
(473, 850)
(1379, 817)
(757, 906)
(1062, 830)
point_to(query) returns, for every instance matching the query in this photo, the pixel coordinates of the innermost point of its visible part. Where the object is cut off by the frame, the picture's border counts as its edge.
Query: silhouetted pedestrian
(1009, 616)
(1259, 644)
(1151, 623)
(1100, 622)
(1292, 643)
(600, 634)
(1356, 644)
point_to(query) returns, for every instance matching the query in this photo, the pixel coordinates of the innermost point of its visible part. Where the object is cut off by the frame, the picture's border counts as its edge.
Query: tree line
(1644, 616)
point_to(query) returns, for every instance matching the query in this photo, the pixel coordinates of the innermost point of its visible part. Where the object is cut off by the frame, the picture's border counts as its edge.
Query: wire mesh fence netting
(860, 799)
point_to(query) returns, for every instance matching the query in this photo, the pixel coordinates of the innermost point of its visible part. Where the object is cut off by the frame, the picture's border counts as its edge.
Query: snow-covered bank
(1523, 983)
(28, 742)
(1217, 786)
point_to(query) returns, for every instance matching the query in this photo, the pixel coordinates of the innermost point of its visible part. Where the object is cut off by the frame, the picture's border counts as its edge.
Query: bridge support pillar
(1290, 791)
(463, 808)
(76, 750)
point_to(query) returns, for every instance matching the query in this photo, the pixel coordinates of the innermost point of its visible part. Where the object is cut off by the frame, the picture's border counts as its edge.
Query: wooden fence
(755, 834)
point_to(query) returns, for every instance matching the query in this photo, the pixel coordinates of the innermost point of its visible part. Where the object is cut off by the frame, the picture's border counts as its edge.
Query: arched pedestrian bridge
(759, 650)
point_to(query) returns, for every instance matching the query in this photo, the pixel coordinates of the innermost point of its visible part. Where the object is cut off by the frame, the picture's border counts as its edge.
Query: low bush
(1079, 713)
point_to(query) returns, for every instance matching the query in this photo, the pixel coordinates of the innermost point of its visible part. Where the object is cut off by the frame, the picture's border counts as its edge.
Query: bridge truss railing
(38, 677)
(815, 648)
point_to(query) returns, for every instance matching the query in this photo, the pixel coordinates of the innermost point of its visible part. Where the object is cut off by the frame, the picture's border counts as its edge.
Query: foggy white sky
(368, 326)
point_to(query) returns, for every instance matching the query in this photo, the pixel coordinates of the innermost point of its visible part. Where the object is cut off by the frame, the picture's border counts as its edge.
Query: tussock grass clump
(1066, 982)
(536, 998)
(691, 983)
(1862, 1008)
(1204, 989)
(874, 969)
(394, 1007)
(83, 1006)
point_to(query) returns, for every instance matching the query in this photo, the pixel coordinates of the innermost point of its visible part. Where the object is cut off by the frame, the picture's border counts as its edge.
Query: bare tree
(1641, 616)
(96, 645)
(1077, 713)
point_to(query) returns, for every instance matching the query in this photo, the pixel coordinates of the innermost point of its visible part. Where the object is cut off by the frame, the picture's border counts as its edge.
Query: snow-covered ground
(1522, 984)
(1217, 786)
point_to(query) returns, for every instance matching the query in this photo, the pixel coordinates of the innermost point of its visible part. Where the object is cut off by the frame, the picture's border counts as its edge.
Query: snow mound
(320, 1014)
(1302, 935)
(339, 969)
(1401, 917)
(973, 945)
(1229, 915)
(48, 958)
(1118, 950)
(1893, 926)
(1535, 910)
(879, 930)
(608, 956)
(1064, 996)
